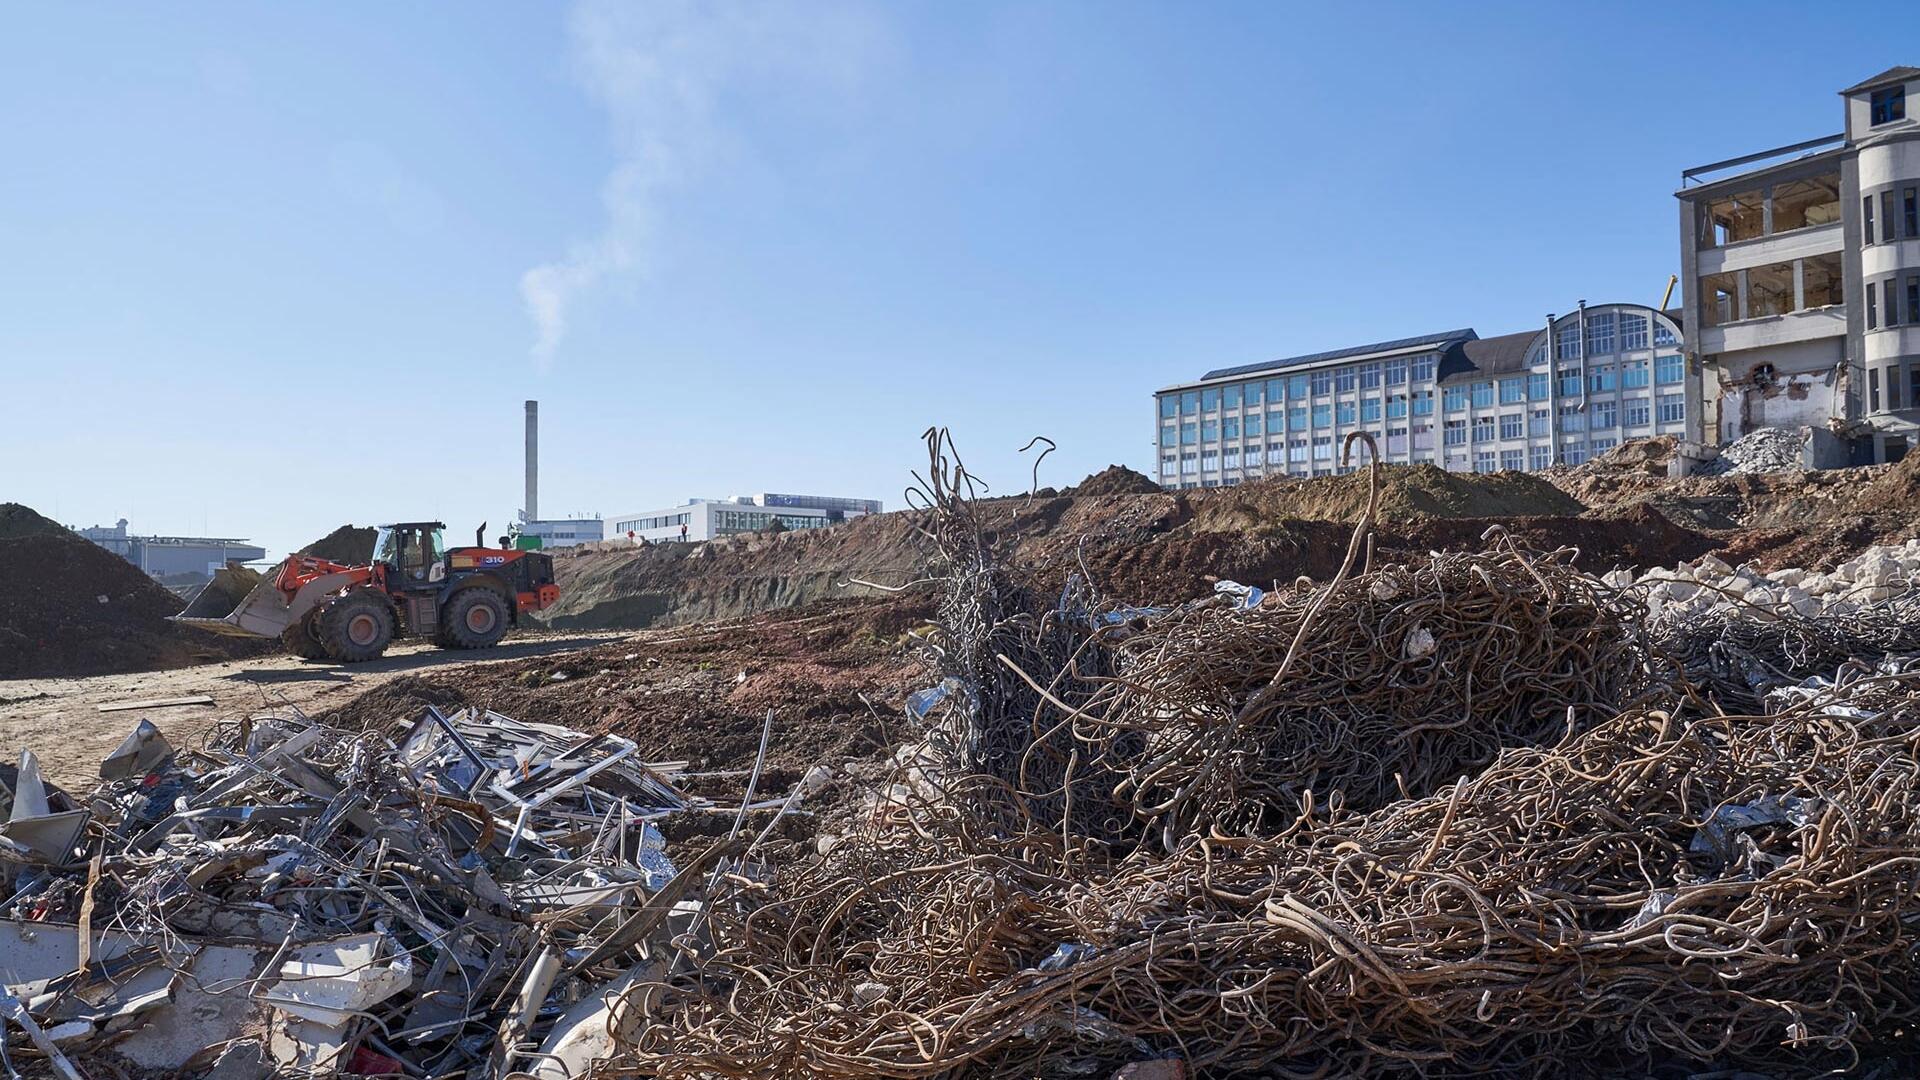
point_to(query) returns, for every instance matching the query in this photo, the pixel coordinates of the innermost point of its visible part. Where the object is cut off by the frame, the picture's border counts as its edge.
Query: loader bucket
(264, 611)
(218, 597)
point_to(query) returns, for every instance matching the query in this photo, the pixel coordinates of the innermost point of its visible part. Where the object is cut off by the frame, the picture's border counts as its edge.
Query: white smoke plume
(658, 68)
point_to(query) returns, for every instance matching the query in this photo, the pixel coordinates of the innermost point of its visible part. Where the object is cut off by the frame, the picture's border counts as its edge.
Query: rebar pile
(1413, 676)
(1738, 653)
(1450, 818)
(1733, 890)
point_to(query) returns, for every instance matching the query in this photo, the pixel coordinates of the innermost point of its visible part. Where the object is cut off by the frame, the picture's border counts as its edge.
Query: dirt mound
(1408, 493)
(71, 607)
(1116, 480)
(348, 544)
(1650, 456)
(17, 520)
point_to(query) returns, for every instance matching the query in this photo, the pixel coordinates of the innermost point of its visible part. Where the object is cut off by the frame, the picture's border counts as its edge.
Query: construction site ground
(60, 718)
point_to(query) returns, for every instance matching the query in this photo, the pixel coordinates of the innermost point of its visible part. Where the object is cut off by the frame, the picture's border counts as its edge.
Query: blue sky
(270, 268)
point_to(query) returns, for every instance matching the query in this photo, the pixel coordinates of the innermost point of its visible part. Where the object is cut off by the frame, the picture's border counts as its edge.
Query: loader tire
(302, 639)
(357, 627)
(474, 619)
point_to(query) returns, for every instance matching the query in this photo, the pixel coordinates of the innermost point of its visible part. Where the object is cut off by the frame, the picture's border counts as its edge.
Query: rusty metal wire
(1468, 829)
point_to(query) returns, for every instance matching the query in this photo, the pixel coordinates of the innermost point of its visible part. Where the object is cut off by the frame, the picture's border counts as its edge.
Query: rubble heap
(465, 897)
(1762, 450)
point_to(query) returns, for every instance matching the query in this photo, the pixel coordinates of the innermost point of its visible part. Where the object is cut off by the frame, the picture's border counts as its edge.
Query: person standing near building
(683, 532)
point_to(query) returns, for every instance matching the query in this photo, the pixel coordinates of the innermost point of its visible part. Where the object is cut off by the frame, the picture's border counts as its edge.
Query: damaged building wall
(1793, 385)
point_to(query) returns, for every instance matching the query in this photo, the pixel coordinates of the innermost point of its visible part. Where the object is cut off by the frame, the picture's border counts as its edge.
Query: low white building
(699, 520)
(166, 556)
(564, 532)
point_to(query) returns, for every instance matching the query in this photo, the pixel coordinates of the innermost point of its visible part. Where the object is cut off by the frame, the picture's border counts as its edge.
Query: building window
(1369, 410)
(1639, 412)
(1297, 449)
(1512, 391)
(1598, 446)
(1910, 212)
(1600, 379)
(1323, 448)
(1887, 223)
(1189, 433)
(1396, 372)
(1422, 436)
(1888, 105)
(1913, 384)
(1634, 375)
(1209, 461)
(1566, 340)
(1720, 299)
(1423, 367)
(1669, 369)
(1605, 414)
(1538, 358)
(1169, 407)
(1913, 298)
(1512, 460)
(1539, 423)
(1873, 389)
(1600, 334)
(1296, 387)
(1322, 382)
(1344, 379)
(1322, 416)
(1574, 453)
(1296, 418)
(1397, 405)
(1209, 431)
(1253, 394)
(1169, 465)
(1769, 290)
(1890, 292)
(1866, 220)
(1633, 332)
(1230, 427)
(1483, 461)
(1483, 429)
(1663, 334)
(1803, 204)
(1252, 425)
(1512, 425)
(1454, 399)
(1189, 463)
(1539, 457)
(1276, 453)
(1537, 386)
(1423, 403)
(1873, 311)
(1343, 413)
(1209, 400)
(1230, 396)
(1893, 388)
(1733, 218)
(1454, 433)
(1572, 419)
(1569, 382)
(1673, 408)
(1166, 439)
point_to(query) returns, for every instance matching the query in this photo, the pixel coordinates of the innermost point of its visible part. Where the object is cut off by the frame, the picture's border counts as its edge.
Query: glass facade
(1585, 382)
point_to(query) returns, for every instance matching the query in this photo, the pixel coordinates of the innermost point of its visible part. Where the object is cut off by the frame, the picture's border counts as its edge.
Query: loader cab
(413, 553)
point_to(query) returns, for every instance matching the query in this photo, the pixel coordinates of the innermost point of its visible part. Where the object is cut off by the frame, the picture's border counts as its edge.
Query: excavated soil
(1116, 480)
(351, 545)
(71, 607)
(17, 521)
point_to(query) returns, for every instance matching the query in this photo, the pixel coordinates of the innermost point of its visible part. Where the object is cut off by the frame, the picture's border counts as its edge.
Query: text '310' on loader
(463, 598)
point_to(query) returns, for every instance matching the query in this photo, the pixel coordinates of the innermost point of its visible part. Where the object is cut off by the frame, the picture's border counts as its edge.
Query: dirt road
(59, 719)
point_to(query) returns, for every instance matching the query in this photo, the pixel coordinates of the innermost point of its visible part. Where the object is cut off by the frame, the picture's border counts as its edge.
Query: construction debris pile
(1209, 833)
(1767, 449)
(463, 899)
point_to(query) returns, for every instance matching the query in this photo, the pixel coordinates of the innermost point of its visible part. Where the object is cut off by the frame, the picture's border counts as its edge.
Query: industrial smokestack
(533, 461)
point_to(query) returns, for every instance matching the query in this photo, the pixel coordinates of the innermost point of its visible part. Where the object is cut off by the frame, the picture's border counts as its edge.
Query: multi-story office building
(1577, 386)
(708, 519)
(1801, 271)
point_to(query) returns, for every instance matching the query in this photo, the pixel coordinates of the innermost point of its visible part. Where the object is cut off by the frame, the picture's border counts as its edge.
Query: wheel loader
(414, 586)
